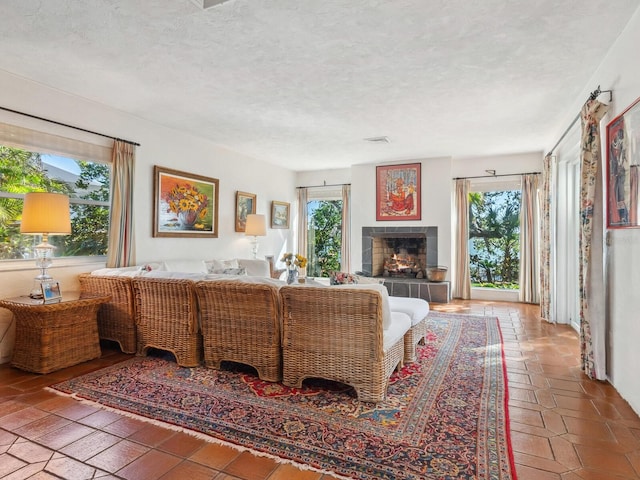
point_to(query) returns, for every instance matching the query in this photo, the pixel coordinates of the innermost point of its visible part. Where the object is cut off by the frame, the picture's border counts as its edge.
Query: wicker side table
(51, 336)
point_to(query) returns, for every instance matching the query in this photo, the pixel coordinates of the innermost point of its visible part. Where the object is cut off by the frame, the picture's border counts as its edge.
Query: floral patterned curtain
(545, 240)
(591, 326)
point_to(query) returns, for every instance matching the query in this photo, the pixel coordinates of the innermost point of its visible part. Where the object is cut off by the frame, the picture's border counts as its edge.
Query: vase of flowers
(189, 205)
(294, 263)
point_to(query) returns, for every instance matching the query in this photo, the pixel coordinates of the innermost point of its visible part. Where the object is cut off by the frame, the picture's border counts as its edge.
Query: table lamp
(256, 226)
(44, 214)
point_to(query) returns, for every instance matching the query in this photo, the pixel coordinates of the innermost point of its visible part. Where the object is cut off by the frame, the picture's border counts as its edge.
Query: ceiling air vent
(204, 4)
(382, 139)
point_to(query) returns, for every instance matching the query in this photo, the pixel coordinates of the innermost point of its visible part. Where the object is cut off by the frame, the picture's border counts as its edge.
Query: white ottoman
(417, 309)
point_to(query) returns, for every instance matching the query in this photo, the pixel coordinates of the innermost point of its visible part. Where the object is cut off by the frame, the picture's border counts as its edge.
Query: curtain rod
(595, 94)
(494, 175)
(325, 185)
(69, 126)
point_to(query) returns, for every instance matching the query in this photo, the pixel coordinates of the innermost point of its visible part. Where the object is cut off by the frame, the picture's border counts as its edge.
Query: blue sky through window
(62, 163)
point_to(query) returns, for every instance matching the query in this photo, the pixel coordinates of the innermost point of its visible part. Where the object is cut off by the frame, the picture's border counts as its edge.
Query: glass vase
(292, 276)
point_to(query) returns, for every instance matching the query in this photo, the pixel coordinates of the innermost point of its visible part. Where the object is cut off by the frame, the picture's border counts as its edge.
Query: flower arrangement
(183, 198)
(294, 260)
(342, 278)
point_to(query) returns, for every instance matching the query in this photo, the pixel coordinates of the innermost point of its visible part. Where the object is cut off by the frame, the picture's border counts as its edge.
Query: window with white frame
(32, 161)
(494, 233)
(324, 231)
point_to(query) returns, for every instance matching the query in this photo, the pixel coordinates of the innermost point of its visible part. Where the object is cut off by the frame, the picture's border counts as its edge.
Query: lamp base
(36, 290)
(254, 246)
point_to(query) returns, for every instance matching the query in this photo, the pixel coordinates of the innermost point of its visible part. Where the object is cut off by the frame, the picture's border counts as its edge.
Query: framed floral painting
(398, 192)
(185, 205)
(279, 214)
(245, 204)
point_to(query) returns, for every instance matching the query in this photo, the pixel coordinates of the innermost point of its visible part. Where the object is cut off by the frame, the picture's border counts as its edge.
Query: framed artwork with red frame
(399, 192)
(623, 163)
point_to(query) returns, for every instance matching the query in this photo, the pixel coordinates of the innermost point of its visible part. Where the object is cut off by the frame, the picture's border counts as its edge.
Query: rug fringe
(199, 435)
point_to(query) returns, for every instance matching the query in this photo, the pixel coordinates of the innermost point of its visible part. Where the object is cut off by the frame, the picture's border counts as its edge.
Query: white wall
(622, 75)
(436, 205)
(159, 146)
(515, 164)
(437, 174)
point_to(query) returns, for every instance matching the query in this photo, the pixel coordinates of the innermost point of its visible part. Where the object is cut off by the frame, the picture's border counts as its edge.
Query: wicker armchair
(167, 318)
(337, 334)
(116, 318)
(240, 322)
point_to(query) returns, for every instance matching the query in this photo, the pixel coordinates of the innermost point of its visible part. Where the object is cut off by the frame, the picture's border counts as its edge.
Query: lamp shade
(45, 213)
(256, 225)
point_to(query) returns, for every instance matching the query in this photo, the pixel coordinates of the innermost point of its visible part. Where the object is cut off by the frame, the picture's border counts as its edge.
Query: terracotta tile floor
(564, 426)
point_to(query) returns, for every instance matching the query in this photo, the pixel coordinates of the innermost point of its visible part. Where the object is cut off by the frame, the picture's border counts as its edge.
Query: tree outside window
(494, 239)
(324, 237)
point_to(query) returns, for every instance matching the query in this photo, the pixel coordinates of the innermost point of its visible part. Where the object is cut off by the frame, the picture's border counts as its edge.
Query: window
(324, 230)
(85, 182)
(494, 235)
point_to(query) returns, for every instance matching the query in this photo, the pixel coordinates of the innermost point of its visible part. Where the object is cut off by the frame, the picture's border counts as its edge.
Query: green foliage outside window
(324, 237)
(21, 172)
(494, 239)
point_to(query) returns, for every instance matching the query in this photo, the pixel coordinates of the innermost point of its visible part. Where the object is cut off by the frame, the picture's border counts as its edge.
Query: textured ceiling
(301, 83)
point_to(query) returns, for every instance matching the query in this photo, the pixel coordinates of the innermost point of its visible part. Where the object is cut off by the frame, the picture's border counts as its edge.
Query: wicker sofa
(348, 333)
(117, 318)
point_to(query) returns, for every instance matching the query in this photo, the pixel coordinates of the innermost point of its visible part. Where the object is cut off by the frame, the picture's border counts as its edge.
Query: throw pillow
(342, 278)
(213, 265)
(230, 271)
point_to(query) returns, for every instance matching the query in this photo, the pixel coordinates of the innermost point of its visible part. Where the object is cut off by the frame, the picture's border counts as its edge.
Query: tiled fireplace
(400, 255)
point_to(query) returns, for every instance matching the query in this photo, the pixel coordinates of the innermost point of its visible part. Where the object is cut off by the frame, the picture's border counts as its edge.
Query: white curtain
(462, 272)
(121, 248)
(302, 221)
(529, 277)
(345, 262)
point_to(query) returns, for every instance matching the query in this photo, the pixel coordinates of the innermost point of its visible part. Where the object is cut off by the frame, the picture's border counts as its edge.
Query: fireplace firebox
(399, 251)
(401, 255)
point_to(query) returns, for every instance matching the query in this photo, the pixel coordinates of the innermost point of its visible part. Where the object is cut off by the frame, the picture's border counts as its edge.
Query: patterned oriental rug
(445, 416)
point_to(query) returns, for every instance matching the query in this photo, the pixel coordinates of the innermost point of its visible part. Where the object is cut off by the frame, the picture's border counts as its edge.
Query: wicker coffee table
(51, 336)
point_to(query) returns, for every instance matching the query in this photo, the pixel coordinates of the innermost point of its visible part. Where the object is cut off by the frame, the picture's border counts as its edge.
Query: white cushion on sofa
(185, 266)
(195, 276)
(400, 324)
(255, 267)
(118, 272)
(247, 279)
(416, 308)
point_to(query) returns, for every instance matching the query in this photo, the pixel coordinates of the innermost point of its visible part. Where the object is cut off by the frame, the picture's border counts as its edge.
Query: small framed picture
(51, 292)
(279, 214)
(245, 204)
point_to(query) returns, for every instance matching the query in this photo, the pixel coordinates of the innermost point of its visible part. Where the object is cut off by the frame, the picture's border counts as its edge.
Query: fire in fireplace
(402, 264)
